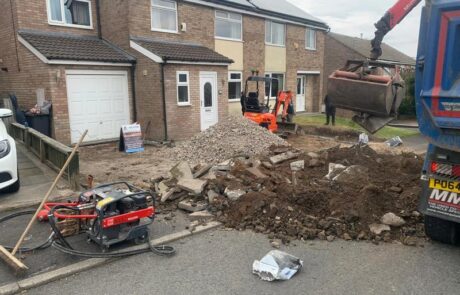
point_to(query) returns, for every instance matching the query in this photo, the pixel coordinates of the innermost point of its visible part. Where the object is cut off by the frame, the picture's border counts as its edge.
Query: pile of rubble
(231, 137)
(348, 193)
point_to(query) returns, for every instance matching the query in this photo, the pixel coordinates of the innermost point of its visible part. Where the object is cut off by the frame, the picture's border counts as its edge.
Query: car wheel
(14, 187)
(441, 230)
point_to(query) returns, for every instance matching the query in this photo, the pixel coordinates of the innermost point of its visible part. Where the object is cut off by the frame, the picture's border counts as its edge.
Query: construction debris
(393, 220)
(277, 265)
(230, 137)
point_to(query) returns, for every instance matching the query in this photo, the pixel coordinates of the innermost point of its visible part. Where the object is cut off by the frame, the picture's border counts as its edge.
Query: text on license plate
(451, 186)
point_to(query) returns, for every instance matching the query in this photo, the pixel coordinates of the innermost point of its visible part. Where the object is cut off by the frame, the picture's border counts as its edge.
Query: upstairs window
(70, 12)
(183, 92)
(229, 25)
(275, 33)
(310, 39)
(164, 16)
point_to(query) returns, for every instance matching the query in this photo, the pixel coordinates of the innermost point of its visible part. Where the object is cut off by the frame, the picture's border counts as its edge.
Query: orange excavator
(260, 113)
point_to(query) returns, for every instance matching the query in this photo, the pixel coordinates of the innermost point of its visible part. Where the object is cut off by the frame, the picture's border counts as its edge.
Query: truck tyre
(441, 230)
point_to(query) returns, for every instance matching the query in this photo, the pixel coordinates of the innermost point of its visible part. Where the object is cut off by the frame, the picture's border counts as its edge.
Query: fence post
(73, 172)
(42, 151)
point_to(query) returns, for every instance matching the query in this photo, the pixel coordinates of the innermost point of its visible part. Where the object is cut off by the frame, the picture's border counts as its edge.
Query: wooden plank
(12, 261)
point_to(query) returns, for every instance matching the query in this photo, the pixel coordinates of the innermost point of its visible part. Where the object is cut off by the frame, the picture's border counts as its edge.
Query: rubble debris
(276, 243)
(230, 137)
(363, 139)
(256, 172)
(194, 186)
(298, 165)
(182, 171)
(234, 194)
(192, 206)
(394, 142)
(267, 165)
(316, 208)
(283, 157)
(313, 155)
(202, 171)
(201, 215)
(393, 220)
(212, 195)
(277, 265)
(378, 229)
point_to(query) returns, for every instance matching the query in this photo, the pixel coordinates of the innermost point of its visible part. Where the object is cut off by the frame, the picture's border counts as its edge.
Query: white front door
(300, 98)
(208, 99)
(97, 101)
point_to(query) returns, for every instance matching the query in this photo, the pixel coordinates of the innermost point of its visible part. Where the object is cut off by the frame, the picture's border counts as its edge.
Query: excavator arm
(391, 18)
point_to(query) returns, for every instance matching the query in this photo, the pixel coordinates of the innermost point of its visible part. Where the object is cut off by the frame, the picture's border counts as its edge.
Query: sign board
(131, 139)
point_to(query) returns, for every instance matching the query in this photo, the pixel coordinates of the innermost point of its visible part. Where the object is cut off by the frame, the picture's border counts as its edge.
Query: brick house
(176, 66)
(340, 48)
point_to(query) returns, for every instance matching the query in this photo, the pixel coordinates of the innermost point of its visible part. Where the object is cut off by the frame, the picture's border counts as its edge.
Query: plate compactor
(374, 90)
(108, 214)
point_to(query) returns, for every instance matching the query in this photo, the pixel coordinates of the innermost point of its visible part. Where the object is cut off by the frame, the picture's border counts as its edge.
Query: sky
(356, 17)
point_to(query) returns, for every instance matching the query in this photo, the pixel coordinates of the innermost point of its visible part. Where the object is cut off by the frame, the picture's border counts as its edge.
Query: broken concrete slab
(224, 166)
(202, 171)
(267, 165)
(212, 195)
(313, 155)
(334, 170)
(234, 194)
(194, 186)
(181, 171)
(352, 174)
(283, 157)
(201, 215)
(377, 229)
(191, 206)
(392, 220)
(298, 165)
(163, 188)
(256, 172)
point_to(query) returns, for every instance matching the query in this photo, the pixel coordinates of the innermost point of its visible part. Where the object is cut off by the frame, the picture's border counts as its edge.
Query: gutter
(163, 94)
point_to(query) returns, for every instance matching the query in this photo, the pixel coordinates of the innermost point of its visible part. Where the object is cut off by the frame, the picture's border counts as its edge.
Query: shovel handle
(45, 199)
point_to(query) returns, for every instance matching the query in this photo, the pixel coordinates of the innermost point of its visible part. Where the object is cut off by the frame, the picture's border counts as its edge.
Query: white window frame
(63, 22)
(235, 80)
(228, 20)
(270, 74)
(152, 6)
(178, 83)
(271, 33)
(307, 37)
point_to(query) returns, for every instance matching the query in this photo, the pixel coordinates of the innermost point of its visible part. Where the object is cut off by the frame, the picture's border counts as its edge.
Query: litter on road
(277, 265)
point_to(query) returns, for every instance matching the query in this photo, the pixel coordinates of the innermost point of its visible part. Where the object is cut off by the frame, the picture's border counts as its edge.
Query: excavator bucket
(373, 90)
(286, 127)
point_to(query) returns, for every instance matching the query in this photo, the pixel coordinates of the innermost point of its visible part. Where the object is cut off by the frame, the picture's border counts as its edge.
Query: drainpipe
(133, 90)
(98, 15)
(165, 119)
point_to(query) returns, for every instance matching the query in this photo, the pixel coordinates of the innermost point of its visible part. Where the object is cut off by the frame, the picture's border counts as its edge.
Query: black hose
(41, 246)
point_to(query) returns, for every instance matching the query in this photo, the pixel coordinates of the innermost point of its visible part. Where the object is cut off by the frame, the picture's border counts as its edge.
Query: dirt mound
(320, 208)
(231, 137)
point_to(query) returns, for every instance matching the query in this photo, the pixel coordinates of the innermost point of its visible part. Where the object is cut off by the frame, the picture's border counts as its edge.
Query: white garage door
(98, 101)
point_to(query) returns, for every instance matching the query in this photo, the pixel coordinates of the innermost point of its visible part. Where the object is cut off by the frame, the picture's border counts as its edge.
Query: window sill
(228, 39)
(310, 49)
(234, 100)
(164, 31)
(71, 26)
(275, 45)
(184, 104)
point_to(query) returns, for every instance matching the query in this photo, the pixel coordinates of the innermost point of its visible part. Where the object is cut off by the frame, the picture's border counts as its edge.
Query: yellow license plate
(445, 185)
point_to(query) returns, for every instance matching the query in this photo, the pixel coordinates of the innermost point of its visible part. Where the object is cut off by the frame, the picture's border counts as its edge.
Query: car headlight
(5, 148)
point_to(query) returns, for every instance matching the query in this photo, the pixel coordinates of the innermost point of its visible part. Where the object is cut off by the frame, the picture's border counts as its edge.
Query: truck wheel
(441, 230)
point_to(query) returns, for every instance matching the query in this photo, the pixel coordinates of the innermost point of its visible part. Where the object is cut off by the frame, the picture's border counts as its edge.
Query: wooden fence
(49, 151)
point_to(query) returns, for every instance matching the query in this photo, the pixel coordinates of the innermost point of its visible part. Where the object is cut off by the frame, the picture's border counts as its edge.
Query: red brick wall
(199, 20)
(114, 21)
(33, 15)
(254, 45)
(301, 59)
(185, 121)
(8, 57)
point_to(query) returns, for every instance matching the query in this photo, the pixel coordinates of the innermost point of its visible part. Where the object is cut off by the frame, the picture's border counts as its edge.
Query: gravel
(231, 137)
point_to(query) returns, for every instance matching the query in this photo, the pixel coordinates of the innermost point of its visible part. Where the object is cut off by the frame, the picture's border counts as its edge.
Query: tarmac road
(220, 262)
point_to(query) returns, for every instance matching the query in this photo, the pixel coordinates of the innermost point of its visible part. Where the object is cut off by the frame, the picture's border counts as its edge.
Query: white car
(9, 176)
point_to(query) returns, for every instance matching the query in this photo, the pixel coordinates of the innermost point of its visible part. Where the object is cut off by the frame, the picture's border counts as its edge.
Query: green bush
(407, 107)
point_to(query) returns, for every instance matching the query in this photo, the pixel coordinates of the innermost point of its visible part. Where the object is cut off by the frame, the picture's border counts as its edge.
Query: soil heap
(316, 207)
(234, 136)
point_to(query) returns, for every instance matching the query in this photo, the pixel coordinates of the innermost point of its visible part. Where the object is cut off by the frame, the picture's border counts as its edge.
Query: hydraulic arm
(391, 18)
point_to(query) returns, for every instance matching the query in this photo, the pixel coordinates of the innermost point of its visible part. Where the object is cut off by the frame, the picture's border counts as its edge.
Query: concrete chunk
(181, 171)
(234, 195)
(191, 206)
(201, 215)
(194, 186)
(256, 172)
(283, 157)
(377, 229)
(298, 165)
